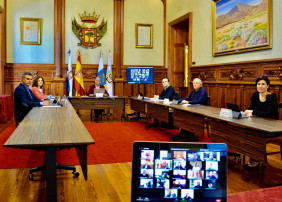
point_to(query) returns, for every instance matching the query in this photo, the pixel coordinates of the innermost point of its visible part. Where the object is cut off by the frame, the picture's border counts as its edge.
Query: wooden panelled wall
(235, 82)
(54, 74)
(232, 82)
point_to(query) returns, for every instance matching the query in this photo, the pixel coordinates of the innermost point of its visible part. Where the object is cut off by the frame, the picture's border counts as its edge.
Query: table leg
(82, 156)
(51, 178)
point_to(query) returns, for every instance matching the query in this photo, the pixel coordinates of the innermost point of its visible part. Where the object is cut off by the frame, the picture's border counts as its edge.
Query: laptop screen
(166, 171)
(99, 90)
(56, 99)
(233, 107)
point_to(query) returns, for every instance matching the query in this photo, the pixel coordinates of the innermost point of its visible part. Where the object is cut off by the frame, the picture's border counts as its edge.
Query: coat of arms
(89, 37)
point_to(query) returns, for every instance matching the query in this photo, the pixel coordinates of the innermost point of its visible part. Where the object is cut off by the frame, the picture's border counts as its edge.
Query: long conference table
(90, 102)
(247, 136)
(50, 129)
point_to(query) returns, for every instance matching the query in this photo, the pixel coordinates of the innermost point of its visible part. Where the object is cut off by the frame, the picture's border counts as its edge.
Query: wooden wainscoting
(235, 82)
(55, 86)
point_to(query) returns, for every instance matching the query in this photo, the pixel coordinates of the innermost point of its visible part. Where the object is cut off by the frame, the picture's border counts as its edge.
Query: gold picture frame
(31, 31)
(144, 35)
(241, 26)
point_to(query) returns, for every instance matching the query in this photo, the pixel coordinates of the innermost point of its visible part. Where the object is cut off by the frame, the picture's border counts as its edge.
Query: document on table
(52, 106)
(186, 105)
(154, 99)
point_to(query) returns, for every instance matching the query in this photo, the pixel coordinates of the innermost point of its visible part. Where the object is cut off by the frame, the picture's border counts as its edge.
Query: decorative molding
(239, 63)
(205, 75)
(47, 75)
(277, 72)
(89, 74)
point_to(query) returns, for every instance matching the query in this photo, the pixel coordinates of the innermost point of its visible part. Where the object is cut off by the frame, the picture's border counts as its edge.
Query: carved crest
(89, 37)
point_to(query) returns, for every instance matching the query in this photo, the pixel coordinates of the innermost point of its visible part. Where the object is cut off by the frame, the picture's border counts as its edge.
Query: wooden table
(49, 129)
(98, 103)
(192, 118)
(137, 105)
(246, 136)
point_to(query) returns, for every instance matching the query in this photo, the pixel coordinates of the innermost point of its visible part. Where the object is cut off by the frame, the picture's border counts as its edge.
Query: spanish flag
(78, 78)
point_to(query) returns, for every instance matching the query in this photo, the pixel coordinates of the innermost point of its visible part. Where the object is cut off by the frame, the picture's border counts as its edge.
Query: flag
(101, 71)
(69, 77)
(78, 78)
(109, 77)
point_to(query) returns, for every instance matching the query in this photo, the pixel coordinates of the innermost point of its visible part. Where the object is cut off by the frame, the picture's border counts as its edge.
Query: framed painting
(144, 35)
(241, 26)
(31, 31)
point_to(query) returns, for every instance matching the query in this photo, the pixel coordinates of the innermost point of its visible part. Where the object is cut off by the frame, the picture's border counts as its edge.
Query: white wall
(202, 32)
(144, 12)
(101, 7)
(41, 54)
(2, 3)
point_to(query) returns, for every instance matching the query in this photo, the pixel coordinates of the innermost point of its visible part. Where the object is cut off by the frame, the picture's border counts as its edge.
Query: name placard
(225, 113)
(166, 101)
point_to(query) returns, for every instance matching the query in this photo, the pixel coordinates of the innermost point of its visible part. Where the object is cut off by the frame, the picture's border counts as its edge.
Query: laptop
(56, 100)
(170, 171)
(99, 90)
(236, 113)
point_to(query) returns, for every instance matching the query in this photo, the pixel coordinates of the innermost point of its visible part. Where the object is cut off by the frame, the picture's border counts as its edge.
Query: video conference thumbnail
(147, 155)
(179, 169)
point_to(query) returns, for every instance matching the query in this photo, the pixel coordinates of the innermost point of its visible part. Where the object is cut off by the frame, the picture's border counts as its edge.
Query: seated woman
(198, 95)
(263, 104)
(38, 88)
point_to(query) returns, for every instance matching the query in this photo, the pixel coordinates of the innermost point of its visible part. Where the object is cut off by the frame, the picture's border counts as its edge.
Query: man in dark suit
(24, 98)
(167, 92)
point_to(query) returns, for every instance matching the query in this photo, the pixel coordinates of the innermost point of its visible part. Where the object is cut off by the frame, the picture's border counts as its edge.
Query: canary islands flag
(101, 71)
(78, 78)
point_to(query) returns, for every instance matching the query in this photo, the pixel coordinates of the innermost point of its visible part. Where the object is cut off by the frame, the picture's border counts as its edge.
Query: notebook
(170, 171)
(55, 103)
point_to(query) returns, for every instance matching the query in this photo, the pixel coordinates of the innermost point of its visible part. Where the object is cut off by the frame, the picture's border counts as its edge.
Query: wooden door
(179, 39)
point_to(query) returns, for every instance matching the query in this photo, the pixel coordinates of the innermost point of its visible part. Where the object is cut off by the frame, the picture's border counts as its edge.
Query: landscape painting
(241, 25)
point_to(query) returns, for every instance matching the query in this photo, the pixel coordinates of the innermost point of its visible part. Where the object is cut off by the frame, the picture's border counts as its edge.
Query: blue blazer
(23, 102)
(199, 97)
(167, 93)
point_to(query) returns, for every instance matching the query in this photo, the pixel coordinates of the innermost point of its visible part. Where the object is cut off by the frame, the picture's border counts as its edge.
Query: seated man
(96, 86)
(167, 92)
(92, 88)
(198, 95)
(24, 98)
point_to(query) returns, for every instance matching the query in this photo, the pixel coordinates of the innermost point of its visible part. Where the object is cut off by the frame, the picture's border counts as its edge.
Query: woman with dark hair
(38, 88)
(263, 104)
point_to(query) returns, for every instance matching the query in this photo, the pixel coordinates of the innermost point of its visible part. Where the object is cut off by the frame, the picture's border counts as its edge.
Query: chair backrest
(176, 96)
(15, 117)
(209, 100)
